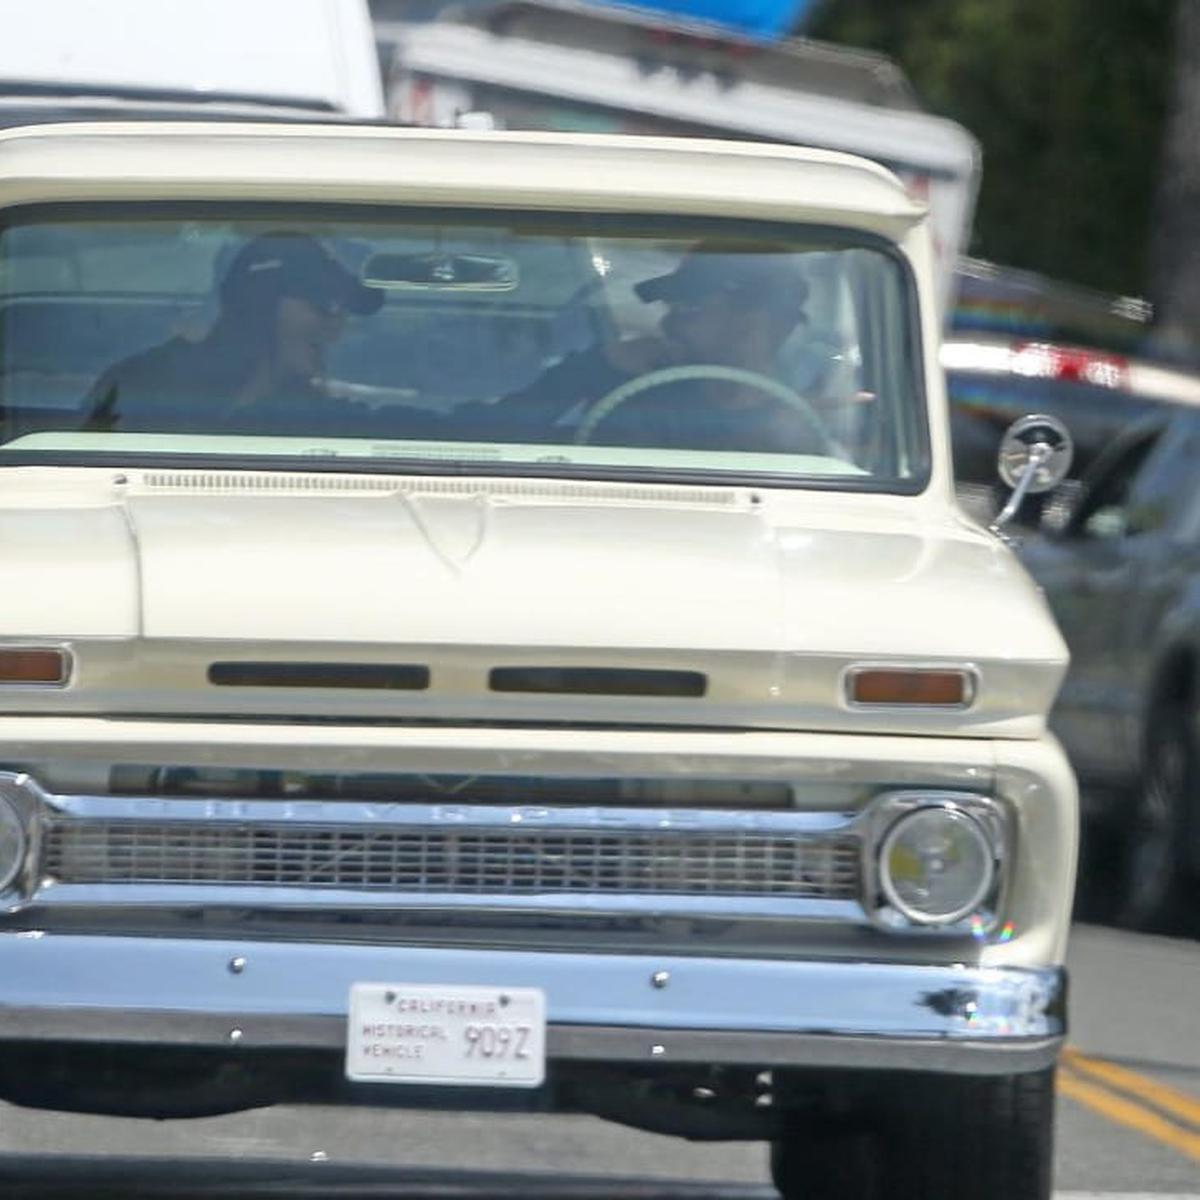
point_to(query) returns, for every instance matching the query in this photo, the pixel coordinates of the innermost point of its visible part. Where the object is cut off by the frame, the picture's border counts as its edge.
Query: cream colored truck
(486, 616)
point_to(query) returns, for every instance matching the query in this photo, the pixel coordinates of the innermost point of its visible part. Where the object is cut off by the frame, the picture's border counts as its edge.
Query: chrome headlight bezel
(988, 817)
(12, 821)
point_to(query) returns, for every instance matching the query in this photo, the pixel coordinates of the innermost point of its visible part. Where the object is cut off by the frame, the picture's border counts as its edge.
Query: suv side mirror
(1061, 510)
(1035, 456)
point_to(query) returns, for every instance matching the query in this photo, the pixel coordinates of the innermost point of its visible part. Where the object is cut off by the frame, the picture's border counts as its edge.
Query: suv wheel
(988, 1137)
(1154, 868)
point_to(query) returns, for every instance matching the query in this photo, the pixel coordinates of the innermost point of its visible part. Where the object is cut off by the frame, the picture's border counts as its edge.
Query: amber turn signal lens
(33, 666)
(927, 688)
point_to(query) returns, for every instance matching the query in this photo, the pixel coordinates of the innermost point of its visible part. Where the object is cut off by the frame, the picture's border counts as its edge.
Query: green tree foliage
(1067, 98)
(1175, 238)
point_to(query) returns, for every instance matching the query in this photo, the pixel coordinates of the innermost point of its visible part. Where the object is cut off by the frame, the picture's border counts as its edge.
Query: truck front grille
(778, 860)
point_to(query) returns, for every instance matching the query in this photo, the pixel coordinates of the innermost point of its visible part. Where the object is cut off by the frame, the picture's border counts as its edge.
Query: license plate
(465, 1036)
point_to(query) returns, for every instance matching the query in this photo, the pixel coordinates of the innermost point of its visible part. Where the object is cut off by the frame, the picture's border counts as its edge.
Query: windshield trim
(573, 221)
(396, 465)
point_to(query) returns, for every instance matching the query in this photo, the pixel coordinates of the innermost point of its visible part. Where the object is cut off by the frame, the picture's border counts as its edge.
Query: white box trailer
(311, 56)
(561, 65)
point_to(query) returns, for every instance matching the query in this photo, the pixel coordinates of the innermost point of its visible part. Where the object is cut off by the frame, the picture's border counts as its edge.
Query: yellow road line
(1128, 1113)
(1166, 1099)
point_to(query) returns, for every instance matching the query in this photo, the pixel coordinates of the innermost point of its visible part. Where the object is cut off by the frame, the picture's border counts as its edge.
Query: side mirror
(1035, 456)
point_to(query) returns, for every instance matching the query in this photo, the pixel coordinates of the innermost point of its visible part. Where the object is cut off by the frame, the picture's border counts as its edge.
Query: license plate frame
(451, 1035)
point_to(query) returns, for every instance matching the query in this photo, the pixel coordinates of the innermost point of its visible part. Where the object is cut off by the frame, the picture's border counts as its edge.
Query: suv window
(1164, 490)
(1107, 509)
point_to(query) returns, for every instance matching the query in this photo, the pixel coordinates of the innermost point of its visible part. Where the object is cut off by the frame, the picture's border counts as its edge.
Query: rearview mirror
(442, 272)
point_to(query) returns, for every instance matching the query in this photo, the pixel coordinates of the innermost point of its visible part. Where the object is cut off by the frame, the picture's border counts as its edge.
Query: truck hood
(753, 610)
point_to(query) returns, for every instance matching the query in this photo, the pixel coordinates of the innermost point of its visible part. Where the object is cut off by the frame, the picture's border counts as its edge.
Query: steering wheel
(607, 404)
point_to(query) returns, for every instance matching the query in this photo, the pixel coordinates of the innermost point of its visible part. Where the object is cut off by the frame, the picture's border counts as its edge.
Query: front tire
(987, 1137)
(827, 1164)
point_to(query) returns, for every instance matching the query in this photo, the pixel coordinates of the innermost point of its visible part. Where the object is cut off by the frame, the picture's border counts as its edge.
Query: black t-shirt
(188, 387)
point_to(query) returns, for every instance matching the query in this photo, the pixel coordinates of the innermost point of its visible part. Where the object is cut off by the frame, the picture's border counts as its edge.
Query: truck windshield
(587, 344)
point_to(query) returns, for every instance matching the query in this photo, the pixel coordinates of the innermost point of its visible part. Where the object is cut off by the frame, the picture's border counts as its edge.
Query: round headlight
(12, 844)
(936, 865)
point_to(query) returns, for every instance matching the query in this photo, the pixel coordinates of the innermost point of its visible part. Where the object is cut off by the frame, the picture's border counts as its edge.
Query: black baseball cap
(294, 264)
(767, 276)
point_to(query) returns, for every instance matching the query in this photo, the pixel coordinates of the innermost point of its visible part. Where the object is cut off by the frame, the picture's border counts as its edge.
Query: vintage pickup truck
(486, 621)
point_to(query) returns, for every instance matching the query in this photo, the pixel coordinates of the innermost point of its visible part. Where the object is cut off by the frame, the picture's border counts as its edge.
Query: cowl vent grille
(238, 483)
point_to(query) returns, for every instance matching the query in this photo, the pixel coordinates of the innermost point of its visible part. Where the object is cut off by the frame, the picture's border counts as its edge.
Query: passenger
(260, 370)
(724, 309)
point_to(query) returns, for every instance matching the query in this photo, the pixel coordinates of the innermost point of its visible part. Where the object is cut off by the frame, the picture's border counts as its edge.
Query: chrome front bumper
(611, 1007)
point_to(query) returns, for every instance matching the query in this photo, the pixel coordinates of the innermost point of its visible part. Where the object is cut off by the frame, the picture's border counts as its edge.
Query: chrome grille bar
(708, 857)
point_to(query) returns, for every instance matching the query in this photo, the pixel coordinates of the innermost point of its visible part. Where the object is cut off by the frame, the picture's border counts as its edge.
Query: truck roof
(359, 164)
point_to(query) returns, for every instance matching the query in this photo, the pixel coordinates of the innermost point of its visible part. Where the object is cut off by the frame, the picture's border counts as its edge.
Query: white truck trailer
(563, 65)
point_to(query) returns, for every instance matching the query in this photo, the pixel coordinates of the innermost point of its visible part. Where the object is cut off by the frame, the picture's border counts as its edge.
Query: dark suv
(1123, 578)
(1020, 343)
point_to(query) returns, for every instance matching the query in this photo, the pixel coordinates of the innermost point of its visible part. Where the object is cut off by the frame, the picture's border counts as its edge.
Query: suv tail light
(1038, 360)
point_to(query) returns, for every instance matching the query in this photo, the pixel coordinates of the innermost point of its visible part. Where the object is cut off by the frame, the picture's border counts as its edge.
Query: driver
(260, 370)
(726, 309)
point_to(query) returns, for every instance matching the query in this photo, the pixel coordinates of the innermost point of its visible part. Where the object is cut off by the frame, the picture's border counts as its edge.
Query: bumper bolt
(657, 1051)
(237, 965)
(235, 1035)
(660, 979)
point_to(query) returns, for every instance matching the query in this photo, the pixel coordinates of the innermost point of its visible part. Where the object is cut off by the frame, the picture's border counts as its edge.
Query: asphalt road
(1129, 1118)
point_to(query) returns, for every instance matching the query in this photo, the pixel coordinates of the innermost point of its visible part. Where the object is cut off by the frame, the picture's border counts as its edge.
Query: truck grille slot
(598, 681)
(557, 792)
(395, 676)
(812, 865)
